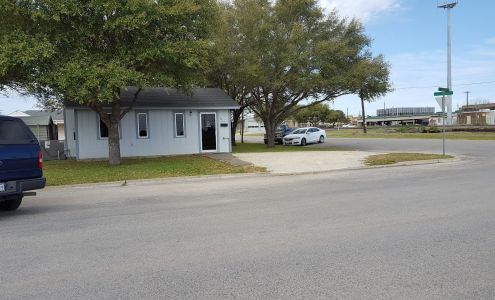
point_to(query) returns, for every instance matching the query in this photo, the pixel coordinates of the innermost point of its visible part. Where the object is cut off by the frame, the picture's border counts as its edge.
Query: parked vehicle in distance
(348, 126)
(21, 163)
(282, 130)
(307, 135)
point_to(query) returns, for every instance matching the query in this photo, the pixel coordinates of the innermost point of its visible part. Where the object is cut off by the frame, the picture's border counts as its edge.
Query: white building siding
(161, 137)
(223, 138)
(70, 130)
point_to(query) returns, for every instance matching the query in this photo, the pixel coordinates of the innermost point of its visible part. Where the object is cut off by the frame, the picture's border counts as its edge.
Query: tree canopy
(86, 51)
(319, 113)
(290, 52)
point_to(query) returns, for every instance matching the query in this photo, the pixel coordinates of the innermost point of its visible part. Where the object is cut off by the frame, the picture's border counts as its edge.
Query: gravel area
(301, 162)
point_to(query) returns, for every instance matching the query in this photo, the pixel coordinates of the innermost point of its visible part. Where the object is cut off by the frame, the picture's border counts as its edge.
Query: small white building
(251, 124)
(163, 121)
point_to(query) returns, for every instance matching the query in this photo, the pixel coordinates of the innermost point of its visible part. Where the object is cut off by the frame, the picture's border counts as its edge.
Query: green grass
(382, 133)
(78, 172)
(393, 158)
(257, 147)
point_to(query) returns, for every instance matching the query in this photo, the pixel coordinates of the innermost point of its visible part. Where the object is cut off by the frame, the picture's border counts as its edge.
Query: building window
(142, 125)
(179, 125)
(103, 130)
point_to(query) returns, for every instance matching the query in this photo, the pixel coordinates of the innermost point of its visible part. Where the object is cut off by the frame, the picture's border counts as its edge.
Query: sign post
(442, 92)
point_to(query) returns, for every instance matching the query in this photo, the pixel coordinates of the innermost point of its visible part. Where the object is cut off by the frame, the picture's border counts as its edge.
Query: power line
(435, 86)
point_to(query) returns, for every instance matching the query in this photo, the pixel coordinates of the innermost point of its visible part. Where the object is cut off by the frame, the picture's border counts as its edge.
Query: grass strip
(78, 172)
(384, 134)
(393, 158)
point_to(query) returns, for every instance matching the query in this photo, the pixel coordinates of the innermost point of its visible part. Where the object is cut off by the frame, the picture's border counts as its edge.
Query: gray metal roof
(173, 98)
(37, 120)
(56, 115)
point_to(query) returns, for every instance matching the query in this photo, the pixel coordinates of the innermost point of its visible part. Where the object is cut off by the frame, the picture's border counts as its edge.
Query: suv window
(14, 132)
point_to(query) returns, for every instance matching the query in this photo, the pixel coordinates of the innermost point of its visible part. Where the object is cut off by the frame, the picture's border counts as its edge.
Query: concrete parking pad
(302, 162)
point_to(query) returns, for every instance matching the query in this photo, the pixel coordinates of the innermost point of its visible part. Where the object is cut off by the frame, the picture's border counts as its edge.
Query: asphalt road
(417, 232)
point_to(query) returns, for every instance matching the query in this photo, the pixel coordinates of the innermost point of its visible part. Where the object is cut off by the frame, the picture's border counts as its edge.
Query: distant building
(252, 124)
(478, 114)
(46, 125)
(405, 111)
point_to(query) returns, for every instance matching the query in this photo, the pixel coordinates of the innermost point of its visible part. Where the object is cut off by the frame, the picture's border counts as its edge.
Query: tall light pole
(448, 5)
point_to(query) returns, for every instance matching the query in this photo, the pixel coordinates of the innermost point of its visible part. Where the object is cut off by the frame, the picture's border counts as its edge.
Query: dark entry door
(208, 132)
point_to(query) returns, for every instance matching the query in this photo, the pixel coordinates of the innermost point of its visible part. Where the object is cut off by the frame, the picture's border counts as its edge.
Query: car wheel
(303, 142)
(322, 139)
(11, 203)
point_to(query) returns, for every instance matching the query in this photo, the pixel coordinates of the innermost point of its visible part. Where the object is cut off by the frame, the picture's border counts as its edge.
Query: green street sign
(446, 93)
(441, 89)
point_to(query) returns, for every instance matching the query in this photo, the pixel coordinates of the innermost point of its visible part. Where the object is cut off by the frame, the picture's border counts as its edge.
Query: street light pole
(443, 118)
(448, 6)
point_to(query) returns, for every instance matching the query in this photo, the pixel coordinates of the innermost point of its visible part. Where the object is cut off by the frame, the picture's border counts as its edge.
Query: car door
(312, 134)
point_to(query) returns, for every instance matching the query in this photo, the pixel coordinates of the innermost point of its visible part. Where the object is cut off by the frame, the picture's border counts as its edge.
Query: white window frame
(183, 124)
(147, 126)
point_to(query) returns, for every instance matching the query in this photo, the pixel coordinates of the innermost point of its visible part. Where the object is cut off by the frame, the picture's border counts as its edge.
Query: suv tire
(11, 203)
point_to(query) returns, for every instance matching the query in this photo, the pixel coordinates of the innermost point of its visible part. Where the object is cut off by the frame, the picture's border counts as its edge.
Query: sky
(412, 35)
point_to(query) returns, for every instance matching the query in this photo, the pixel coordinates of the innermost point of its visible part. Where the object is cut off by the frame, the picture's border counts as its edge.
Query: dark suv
(21, 163)
(280, 132)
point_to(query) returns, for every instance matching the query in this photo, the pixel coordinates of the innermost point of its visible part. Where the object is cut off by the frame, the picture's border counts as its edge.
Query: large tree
(87, 51)
(373, 79)
(293, 54)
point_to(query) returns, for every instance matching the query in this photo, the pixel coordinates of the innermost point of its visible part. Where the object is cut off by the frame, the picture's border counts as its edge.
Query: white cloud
(361, 9)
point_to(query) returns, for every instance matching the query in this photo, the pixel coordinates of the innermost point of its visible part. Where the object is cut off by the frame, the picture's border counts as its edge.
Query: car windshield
(280, 128)
(299, 131)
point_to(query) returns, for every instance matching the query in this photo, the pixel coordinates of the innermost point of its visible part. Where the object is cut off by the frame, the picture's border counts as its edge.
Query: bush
(430, 129)
(408, 129)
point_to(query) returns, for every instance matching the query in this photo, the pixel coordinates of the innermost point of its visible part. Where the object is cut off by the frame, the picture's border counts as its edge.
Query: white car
(306, 135)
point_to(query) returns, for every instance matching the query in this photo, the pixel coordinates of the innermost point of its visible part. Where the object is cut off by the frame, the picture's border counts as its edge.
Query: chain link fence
(53, 150)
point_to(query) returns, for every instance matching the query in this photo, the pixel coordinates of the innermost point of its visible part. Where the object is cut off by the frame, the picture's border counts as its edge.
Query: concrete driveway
(306, 161)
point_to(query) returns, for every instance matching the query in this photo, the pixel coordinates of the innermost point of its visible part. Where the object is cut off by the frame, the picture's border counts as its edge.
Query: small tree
(336, 116)
(315, 113)
(373, 75)
(90, 50)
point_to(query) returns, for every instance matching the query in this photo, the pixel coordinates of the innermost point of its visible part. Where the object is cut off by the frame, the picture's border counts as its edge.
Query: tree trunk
(365, 130)
(270, 128)
(113, 135)
(242, 128)
(235, 121)
(113, 143)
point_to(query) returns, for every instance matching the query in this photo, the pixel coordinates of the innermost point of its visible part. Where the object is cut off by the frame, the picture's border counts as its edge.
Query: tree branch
(131, 106)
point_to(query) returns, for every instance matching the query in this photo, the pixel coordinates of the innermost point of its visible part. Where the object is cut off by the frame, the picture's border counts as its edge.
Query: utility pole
(467, 98)
(448, 5)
